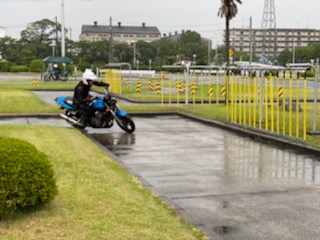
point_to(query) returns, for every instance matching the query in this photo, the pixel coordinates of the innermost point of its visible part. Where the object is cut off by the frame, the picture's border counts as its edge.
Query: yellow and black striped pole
(139, 86)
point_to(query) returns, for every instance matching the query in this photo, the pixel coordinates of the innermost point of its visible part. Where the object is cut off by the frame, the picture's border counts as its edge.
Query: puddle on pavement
(224, 230)
(252, 159)
(115, 139)
(242, 157)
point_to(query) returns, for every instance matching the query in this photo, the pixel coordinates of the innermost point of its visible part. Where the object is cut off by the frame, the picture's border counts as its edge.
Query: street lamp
(53, 45)
(63, 49)
(194, 58)
(150, 63)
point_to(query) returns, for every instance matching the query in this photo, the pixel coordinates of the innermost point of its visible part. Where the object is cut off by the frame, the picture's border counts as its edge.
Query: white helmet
(55, 65)
(87, 76)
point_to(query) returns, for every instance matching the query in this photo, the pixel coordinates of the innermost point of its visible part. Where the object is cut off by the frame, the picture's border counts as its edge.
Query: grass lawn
(97, 198)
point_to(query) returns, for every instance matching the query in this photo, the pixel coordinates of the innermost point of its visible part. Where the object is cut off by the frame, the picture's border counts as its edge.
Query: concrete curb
(37, 115)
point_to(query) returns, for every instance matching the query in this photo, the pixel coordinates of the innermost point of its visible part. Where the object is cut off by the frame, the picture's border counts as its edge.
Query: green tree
(190, 44)
(284, 57)
(91, 53)
(10, 50)
(38, 36)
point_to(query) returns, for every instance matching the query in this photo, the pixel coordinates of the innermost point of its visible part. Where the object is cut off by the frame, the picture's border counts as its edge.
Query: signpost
(187, 66)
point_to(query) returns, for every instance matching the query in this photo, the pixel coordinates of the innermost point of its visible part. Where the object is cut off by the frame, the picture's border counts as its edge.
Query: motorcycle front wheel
(126, 124)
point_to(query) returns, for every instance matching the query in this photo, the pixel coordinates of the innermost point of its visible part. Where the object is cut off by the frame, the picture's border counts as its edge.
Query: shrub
(4, 66)
(26, 176)
(36, 65)
(20, 68)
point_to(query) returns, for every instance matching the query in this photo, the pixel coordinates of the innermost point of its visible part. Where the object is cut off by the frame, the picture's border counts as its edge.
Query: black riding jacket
(81, 92)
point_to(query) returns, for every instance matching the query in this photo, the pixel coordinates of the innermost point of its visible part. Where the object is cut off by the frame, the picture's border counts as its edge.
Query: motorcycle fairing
(121, 113)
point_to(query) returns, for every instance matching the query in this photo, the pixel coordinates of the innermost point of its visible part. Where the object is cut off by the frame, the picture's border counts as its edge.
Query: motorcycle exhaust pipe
(71, 120)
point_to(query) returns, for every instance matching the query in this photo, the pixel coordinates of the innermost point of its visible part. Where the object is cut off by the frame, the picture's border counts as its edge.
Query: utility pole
(111, 43)
(250, 40)
(57, 37)
(63, 45)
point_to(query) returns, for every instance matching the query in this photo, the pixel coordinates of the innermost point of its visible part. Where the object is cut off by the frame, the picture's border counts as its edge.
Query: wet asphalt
(229, 185)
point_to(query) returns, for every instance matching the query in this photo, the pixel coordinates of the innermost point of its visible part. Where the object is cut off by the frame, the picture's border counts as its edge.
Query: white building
(120, 33)
(269, 42)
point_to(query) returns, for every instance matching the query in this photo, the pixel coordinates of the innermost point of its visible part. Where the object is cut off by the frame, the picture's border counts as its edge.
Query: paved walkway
(230, 186)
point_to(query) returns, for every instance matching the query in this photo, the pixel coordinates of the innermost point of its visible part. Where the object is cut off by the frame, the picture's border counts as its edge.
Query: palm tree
(228, 10)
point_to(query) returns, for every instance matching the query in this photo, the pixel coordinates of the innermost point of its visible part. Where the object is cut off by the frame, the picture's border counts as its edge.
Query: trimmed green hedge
(36, 65)
(4, 66)
(26, 176)
(20, 68)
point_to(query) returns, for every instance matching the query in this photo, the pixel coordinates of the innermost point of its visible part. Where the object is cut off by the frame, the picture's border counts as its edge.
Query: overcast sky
(167, 15)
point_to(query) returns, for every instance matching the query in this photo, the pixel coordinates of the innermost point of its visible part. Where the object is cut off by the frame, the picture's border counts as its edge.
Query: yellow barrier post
(305, 109)
(266, 103)
(249, 105)
(284, 104)
(232, 104)
(235, 98)
(290, 105)
(178, 87)
(271, 102)
(260, 91)
(210, 93)
(297, 105)
(224, 93)
(162, 88)
(170, 88)
(35, 81)
(217, 87)
(210, 88)
(254, 101)
(139, 86)
(279, 93)
(245, 100)
(113, 77)
(201, 86)
(235, 93)
(240, 100)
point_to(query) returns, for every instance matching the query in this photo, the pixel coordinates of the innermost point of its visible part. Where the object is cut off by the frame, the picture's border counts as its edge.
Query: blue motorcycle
(52, 75)
(104, 109)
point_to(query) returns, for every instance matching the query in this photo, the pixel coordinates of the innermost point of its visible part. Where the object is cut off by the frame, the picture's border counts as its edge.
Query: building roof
(120, 29)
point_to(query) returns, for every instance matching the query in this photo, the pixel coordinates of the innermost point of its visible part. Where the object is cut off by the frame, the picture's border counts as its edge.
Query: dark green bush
(20, 68)
(26, 176)
(36, 65)
(4, 66)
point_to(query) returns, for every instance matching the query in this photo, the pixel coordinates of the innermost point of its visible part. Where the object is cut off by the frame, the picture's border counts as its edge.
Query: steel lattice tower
(269, 45)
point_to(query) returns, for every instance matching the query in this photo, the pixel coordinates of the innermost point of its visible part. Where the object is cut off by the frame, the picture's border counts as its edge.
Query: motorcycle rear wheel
(47, 77)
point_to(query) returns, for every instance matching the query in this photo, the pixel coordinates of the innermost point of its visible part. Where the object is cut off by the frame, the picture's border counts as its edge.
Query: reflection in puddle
(247, 158)
(115, 139)
(224, 230)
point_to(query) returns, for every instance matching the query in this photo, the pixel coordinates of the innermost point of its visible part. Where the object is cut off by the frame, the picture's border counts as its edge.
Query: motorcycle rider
(57, 71)
(82, 98)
